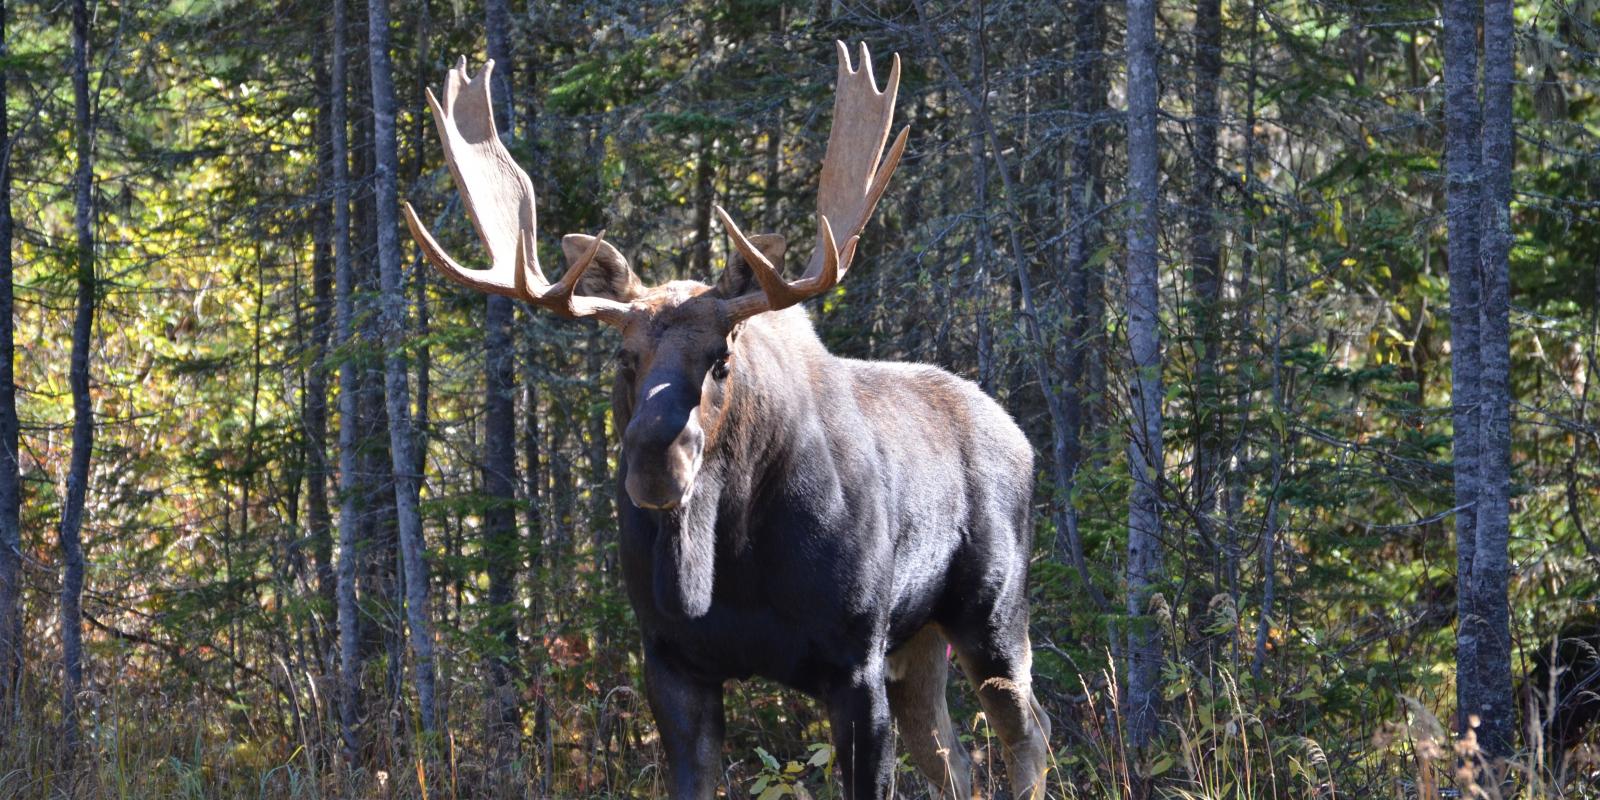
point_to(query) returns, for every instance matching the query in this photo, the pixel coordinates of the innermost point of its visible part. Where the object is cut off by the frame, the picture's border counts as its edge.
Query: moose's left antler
(854, 175)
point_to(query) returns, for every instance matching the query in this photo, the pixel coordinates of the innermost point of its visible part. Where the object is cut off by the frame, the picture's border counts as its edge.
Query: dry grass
(1218, 745)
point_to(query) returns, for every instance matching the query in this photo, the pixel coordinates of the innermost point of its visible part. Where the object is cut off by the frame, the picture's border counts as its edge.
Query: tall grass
(1218, 742)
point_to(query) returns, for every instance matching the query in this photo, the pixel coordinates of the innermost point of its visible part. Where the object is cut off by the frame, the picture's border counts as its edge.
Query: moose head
(675, 372)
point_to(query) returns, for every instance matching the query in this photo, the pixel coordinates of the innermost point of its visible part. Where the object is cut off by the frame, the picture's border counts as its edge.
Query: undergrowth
(1222, 738)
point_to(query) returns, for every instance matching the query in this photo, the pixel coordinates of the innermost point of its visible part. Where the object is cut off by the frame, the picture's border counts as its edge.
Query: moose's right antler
(499, 199)
(854, 175)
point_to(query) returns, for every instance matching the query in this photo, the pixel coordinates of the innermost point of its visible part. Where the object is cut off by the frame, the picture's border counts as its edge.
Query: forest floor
(601, 743)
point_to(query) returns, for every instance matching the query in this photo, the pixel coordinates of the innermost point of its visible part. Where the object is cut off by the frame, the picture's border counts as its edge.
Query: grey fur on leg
(917, 677)
(1006, 693)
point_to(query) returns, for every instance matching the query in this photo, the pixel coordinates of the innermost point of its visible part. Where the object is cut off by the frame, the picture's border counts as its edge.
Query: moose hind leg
(993, 648)
(1006, 692)
(917, 676)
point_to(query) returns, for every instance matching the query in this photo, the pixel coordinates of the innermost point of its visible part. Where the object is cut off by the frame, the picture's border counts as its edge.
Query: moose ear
(609, 276)
(738, 279)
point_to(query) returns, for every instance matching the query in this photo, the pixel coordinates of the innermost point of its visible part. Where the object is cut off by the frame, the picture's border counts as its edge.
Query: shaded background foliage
(1306, 374)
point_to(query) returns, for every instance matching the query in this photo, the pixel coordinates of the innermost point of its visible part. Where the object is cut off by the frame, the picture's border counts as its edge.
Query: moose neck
(771, 420)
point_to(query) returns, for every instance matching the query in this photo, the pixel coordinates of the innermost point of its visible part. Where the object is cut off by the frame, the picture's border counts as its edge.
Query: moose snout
(663, 451)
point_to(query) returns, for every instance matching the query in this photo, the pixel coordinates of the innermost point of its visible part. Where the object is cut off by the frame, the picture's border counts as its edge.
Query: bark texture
(397, 396)
(350, 498)
(10, 474)
(1144, 343)
(1210, 434)
(1491, 568)
(70, 531)
(1461, 116)
(500, 434)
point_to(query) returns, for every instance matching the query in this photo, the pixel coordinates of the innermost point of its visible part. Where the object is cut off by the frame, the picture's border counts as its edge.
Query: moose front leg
(863, 741)
(689, 717)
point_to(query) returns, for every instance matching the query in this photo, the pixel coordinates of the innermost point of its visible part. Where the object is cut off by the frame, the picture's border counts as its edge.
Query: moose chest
(793, 599)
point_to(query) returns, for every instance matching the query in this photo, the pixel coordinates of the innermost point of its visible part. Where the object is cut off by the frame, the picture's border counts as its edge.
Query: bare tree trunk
(1235, 482)
(1491, 569)
(705, 172)
(1269, 532)
(10, 474)
(1203, 255)
(1085, 199)
(419, 268)
(500, 443)
(396, 379)
(600, 516)
(318, 514)
(1144, 342)
(351, 498)
(980, 189)
(1461, 116)
(771, 183)
(70, 531)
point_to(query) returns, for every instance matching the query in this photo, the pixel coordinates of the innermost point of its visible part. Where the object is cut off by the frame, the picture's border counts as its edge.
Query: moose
(828, 523)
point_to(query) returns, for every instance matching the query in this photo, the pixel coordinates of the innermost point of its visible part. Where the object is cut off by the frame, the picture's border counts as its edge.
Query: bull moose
(824, 522)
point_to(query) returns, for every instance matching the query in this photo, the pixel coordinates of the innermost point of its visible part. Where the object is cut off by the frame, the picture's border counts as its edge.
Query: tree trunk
(1085, 311)
(1209, 433)
(419, 267)
(980, 193)
(705, 172)
(352, 499)
(1144, 342)
(318, 514)
(10, 474)
(1461, 117)
(1491, 568)
(500, 443)
(70, 531)
(396, 379)
(1280, 443)
(600, 516)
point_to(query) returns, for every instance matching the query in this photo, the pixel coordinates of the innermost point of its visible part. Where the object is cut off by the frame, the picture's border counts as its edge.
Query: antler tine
(777, 293)
(855, 173)
(561, 296)
(499, 200)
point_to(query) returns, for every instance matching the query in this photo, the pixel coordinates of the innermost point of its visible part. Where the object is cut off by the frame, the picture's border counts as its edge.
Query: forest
(1296, 301)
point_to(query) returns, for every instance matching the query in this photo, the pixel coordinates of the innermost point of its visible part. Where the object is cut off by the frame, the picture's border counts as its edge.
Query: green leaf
(1162, 763)
(822, 756)
(767, 760)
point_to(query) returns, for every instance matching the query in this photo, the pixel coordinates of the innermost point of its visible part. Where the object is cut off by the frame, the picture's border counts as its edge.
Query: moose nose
(663, 452)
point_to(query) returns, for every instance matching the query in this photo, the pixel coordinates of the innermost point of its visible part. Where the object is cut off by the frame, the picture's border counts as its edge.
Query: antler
(854, 176)
(499, 200)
